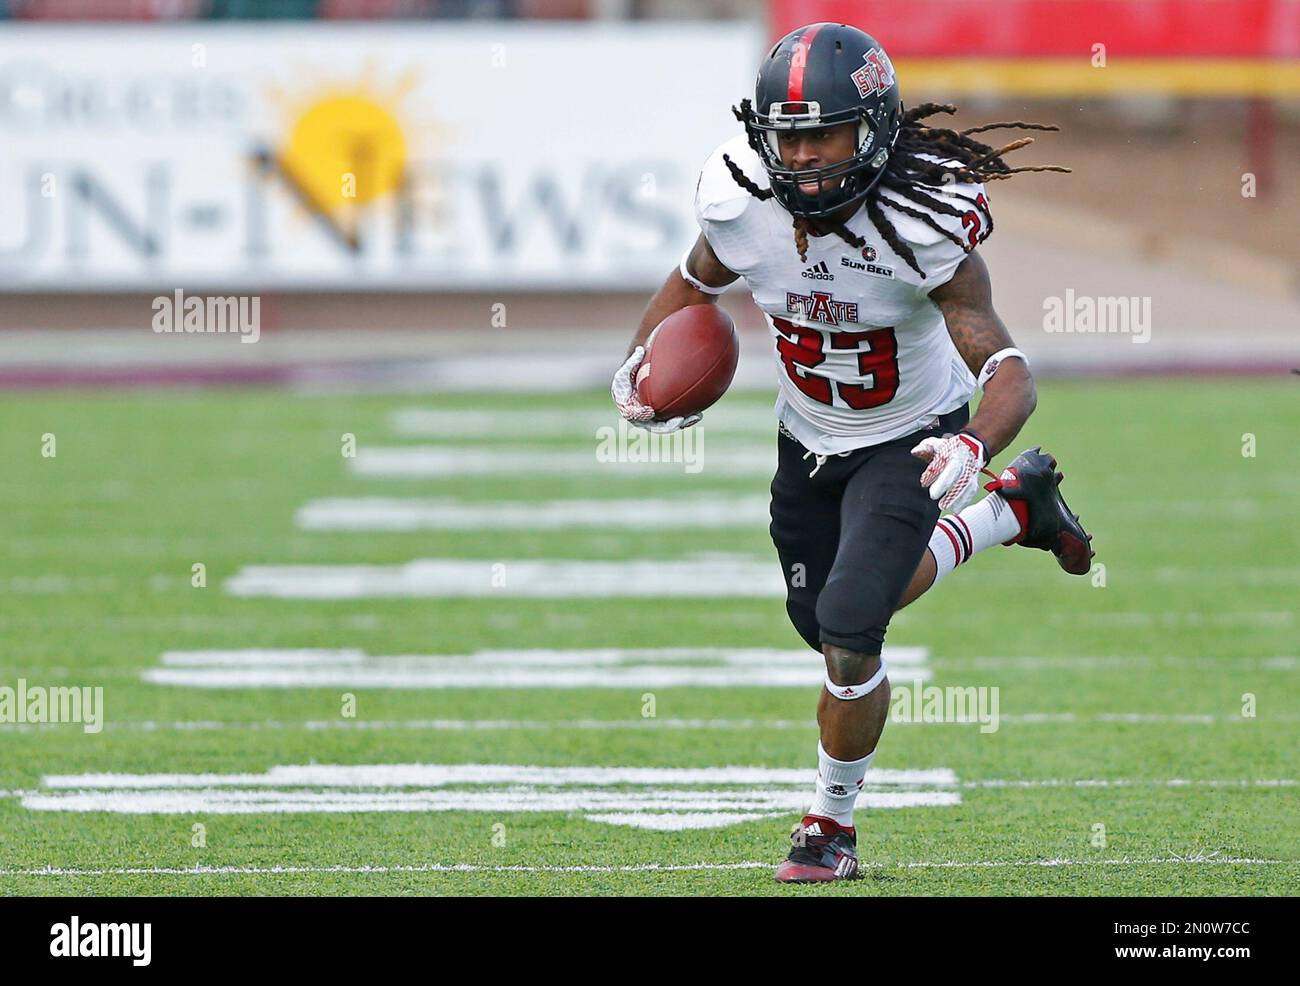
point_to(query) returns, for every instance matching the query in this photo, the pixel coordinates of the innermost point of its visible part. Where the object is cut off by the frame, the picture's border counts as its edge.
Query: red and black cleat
(823, 851)
(1031, 485)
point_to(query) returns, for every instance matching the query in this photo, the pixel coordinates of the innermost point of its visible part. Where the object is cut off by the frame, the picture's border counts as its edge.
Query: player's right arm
(698, 280)
(721, 207)
(703, 270)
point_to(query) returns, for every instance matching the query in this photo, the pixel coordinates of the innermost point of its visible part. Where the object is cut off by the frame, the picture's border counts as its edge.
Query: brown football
(689, 362)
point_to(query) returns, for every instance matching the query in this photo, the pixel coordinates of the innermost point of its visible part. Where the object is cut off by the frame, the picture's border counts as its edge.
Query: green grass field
(1137, 683)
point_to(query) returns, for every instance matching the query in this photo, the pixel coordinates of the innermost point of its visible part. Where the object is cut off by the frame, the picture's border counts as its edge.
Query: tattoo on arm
(1009, 397)
(967, 305)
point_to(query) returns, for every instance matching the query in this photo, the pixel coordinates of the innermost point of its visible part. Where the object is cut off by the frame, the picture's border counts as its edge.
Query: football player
(855, 225)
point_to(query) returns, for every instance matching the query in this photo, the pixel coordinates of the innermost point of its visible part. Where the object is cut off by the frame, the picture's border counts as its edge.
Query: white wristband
(694, 281)
(993, 362)
(850, 692)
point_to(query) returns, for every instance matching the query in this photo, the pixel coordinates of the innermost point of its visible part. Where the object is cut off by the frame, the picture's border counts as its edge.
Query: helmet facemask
(857, 174)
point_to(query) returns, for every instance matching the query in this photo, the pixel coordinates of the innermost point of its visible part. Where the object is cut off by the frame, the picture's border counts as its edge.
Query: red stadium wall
(1047, 28)
(1046, 48)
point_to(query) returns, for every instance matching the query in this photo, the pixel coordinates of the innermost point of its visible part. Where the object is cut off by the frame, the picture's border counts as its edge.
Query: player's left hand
(952, 476)
(623, 390)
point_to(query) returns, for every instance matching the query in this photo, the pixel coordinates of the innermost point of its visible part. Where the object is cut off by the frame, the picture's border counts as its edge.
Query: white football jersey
(863, 354)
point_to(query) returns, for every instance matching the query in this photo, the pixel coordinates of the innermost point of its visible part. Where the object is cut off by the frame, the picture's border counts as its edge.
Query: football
(690, 360)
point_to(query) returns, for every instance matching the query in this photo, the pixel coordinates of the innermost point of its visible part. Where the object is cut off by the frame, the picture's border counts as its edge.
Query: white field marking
(444, 578)
(1152, 718)
(663, 513)
(1281, 663)
(541, 657)
(1119, 782)
(678, 821)
(672, 810)
(1230, 575)
(200, 870)
(1143, 619)
(442, 461)
(611, 725)
(419, 422)
(55, 583)
(669, 667)
(1192, 859)
(279, 783)
(655, 798)
(534, 678)
(438, 775)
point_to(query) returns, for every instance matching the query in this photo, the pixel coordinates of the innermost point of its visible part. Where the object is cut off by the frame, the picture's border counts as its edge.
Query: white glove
(953, 473)
(623, 390)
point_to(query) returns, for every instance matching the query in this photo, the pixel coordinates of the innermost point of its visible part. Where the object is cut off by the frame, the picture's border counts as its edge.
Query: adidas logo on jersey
(819, 272)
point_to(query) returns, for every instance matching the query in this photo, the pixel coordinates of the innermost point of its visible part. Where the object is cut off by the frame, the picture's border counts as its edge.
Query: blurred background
(412, 187)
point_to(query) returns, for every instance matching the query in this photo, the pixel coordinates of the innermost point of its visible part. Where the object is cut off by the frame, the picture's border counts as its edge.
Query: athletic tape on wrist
(694, 281)
(850, 692)
(993, 362)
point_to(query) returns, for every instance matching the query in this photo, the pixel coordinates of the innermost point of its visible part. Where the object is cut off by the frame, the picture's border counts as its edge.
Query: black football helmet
(821, 75)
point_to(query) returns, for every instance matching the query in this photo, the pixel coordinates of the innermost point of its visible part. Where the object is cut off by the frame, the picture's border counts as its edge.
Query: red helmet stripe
(799, 59)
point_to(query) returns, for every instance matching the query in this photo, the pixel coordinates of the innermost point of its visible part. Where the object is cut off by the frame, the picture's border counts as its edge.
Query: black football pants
(851, 535)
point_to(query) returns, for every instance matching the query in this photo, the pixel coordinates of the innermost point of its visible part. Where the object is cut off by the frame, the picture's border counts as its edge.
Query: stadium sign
(357, 157)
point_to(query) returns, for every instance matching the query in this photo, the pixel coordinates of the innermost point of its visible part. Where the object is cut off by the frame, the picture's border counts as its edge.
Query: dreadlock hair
(907, 175)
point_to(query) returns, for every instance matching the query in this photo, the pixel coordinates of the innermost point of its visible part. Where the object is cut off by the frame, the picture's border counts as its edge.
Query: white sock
(838, 784)
(981, 525)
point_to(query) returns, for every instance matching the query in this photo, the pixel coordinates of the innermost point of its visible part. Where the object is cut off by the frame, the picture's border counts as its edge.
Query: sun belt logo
(102, 940)
(876, 269)
(869, 254)
(818, 272)
(820, 306)
(876, 76)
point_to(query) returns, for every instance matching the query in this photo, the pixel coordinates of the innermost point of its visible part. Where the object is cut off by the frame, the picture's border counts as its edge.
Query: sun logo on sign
(348, 145)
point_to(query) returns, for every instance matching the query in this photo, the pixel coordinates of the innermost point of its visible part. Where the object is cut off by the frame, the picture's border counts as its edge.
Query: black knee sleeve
(853, 613)
(804, 619)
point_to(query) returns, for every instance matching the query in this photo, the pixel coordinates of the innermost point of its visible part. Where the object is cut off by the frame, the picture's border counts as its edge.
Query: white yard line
(1116, 663)
(1225, 575)
(663, 513)
(462, 423)
(706, 667)
(1258, 618)
(451, 868)
(649, 798)
(435, 775)
(688, 807)
(651, 724)
(443, 461)
(534, 657)
(717, 575)
(521, 678)
(653, 798)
